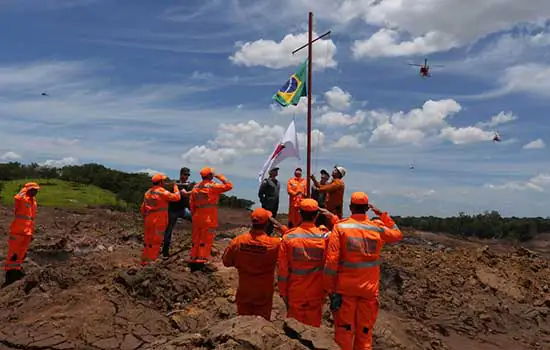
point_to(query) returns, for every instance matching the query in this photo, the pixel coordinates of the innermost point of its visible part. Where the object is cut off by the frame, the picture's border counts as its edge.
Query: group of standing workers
(320, 255)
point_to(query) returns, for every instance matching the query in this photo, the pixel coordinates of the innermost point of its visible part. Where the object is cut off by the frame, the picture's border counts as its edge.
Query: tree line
(489, 224)
(128, 187)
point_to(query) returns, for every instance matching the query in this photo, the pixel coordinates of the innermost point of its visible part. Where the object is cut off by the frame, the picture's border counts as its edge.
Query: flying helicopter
(425, 68)
(45, 94)
(496, 138)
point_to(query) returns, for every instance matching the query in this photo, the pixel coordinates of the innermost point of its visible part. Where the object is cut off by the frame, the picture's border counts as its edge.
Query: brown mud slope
(83, 290)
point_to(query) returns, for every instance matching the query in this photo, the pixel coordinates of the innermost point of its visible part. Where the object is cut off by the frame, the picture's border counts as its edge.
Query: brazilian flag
(293, 89)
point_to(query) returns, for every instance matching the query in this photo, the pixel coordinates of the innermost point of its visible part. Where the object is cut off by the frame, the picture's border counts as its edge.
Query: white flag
(286, 148)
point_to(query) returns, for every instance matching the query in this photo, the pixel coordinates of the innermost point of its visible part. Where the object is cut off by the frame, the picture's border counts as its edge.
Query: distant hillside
(59, 193)
(128, 187)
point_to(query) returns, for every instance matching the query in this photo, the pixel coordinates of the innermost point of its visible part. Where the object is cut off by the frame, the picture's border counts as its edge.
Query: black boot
(12, 276)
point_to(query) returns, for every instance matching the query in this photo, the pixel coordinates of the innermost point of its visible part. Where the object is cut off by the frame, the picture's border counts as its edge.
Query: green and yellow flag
(293, 89)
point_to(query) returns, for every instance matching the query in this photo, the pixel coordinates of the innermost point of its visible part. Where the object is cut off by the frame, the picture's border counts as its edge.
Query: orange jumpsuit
(21, 230)
(155, 212)
(203, 204)
(300, 273)
(334, 200)
(352, 270)
(254, 254)
(295, 185)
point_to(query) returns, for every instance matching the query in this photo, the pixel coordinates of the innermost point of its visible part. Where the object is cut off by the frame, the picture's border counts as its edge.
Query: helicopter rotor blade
(416, 65)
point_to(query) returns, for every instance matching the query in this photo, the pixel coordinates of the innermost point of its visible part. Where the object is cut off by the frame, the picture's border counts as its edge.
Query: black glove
(335, 301)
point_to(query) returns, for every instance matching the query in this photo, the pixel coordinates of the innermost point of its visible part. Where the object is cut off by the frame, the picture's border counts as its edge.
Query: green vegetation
(485, 225)
(59, 193)
(127, 187)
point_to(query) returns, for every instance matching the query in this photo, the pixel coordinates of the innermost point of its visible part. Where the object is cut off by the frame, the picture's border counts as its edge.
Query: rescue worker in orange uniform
(296, 188)
(154, 209)
(352, 272)
(301, 262)
(334, 200)
(254, 254)
(203, 203)
(21, 231)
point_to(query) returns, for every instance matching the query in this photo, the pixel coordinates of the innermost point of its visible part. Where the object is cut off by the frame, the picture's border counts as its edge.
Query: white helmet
(341, 170)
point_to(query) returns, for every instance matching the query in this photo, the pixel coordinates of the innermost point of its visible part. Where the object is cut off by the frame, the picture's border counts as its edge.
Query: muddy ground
(84, 290)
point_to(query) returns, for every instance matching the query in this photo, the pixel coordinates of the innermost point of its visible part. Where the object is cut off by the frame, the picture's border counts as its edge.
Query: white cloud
(387, 133)
(467, 134)
(338, 98)
(536, 144)
(10, 156)
(537, 183)
(501, 118)
(59, 163)
(433, 25)
(531, 77)
(300, 108)
(232, 140)
(348, 141)
(385, 43)
(276, 55)
(317, 140)
(338, 118)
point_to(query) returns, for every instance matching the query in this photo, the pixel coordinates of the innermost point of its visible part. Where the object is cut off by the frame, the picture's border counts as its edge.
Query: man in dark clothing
(316, 194)
(269, 195)
(178, 209)
(320, 197)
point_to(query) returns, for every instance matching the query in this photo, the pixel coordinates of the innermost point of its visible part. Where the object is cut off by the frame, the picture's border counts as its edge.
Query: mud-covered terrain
(85, 290)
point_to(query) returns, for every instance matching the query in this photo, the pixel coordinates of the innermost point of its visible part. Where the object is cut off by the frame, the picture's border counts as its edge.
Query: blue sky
(155, 85)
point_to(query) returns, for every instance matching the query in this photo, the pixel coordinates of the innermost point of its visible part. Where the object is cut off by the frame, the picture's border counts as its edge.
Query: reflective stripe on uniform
(359, 264)
(156, 210)
(304, 272)
(282, 278)
(360, 226)
(330, 272)
(307, 235)
(24, 217)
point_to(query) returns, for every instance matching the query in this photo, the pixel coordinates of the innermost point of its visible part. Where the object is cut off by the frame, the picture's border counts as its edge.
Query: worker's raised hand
(219, 176)
(375, 209)
(324, 211)
(313, 177)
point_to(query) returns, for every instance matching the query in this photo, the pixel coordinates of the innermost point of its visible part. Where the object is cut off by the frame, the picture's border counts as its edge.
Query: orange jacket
(25, 213)
(353, 255)
(155, 203)
(255, 257)
(334, 200)
(301, 261)
(295, 185)
(204, 200)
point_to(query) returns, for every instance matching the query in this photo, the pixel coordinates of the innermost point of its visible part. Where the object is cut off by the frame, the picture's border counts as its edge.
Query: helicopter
(425, 69)
(45, 94)
(496, 138)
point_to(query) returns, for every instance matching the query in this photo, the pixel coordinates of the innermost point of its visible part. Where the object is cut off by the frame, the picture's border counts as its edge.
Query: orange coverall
(300, 272)
(334, 196)
(21, 230)
(155, 213)
(295, 185)
(352, 270)
(254, 254)
(203, 204)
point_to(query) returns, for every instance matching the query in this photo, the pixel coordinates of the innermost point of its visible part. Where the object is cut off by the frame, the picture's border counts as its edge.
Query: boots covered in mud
(13, 276)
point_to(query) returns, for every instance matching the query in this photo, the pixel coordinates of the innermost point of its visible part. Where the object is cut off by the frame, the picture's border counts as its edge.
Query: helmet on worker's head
(359, 198)
(260, 216)
(159, 177)
(206, 171)
(341, 170)
(32, 186)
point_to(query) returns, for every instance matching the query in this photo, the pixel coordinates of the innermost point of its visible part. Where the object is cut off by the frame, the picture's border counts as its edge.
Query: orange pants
(244, 308)
(294, 217)
(354, 322)
(17, 250)
(203, 240)
(308, 312)
(152, 240)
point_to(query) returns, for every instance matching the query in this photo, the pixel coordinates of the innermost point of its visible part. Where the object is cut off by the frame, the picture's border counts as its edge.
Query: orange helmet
(32, 186)
(159, 177)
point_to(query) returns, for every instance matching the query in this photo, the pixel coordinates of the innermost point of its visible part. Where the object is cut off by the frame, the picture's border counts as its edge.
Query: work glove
(335, 301)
